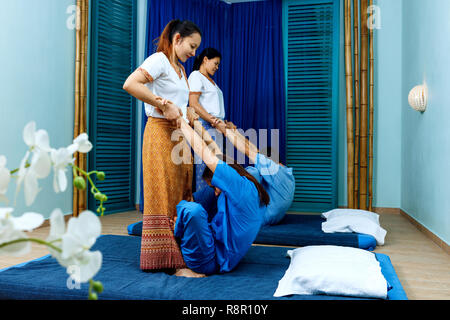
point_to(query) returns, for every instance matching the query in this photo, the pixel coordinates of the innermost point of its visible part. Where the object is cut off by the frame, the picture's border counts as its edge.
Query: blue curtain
(255, 95)
(251, 73)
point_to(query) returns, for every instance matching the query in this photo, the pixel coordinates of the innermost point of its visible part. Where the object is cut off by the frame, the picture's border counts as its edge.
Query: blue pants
(194, 233)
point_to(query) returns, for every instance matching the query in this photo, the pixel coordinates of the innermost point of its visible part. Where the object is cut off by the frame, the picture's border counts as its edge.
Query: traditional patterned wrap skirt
(166, 183)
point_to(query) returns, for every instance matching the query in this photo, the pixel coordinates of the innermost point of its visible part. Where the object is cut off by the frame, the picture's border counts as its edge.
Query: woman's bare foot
(172, 223)
(188, 273)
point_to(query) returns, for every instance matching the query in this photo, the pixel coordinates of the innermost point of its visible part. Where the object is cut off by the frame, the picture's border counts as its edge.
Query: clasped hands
(217, 123)
(171, 111)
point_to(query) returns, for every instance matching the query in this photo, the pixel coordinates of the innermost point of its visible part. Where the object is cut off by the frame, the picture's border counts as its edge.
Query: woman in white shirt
(161, 83)
(206, 98)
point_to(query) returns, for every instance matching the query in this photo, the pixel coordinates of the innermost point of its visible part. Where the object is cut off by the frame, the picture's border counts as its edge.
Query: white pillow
(351, 212)
(355, 223)
(333, 270)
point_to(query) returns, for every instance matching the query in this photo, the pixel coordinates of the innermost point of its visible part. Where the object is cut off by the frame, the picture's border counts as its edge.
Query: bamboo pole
(371, 109)
(83, 94)
(349, 87)
(76, 128)
(357, 98)
(364, 102)
(79, 196)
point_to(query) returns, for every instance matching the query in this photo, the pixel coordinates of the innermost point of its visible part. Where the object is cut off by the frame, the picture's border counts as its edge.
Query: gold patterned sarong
(166, 183)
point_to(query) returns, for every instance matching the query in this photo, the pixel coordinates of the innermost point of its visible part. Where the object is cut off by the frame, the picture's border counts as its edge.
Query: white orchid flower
(82, 232)
(12, 228)
(81, 144)
(39, 168)
(57, 230)
(5, 177)
(31, 184)
(61, 158)
(36, 139)
(41, 163)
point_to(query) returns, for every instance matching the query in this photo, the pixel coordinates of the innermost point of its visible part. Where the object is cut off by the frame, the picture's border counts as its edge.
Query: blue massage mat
(299, 231)
(255, 278)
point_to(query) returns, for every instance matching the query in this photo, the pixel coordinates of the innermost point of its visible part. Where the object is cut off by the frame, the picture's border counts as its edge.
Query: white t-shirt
(211, 97)
(165, 82)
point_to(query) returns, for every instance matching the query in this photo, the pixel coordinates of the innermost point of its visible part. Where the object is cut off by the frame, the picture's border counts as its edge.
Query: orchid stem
(91, 284)
(43, 242)
(94, 189)
(27, 165)
(87, 176)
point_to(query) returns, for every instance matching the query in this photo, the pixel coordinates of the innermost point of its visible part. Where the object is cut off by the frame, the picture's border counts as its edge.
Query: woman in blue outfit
(277, 179)
(214, 235)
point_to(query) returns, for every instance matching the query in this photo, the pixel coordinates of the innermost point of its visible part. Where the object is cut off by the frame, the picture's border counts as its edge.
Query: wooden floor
(422, 267)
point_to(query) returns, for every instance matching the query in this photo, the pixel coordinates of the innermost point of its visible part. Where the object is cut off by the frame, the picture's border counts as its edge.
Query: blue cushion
(255, 278)
(299, 230)
(135, 229)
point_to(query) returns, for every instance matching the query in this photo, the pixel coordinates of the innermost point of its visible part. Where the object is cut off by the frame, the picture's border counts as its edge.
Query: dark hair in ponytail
(210, 53)
(184, 28)
(264, 198)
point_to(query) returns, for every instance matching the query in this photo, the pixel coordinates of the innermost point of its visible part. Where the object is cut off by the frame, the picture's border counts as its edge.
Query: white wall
(425, 161)
(36, 83)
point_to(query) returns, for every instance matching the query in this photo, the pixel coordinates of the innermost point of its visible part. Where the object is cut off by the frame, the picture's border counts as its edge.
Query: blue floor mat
(306, 230)
(298, 230)
(255, 278)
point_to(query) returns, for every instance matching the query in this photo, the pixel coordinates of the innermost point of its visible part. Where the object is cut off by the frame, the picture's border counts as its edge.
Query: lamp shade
(418, 98)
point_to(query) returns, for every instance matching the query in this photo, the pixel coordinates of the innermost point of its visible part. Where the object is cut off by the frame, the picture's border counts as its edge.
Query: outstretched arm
(250, 149)
(207, 138)
(198, 127)
(241, 143)
(198, 145)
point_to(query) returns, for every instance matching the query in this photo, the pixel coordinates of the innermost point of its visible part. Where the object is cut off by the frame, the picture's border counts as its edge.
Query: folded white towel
(355, 223)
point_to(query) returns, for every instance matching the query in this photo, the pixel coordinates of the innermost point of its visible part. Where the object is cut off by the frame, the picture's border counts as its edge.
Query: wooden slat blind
(311, 30)
(112, 110)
